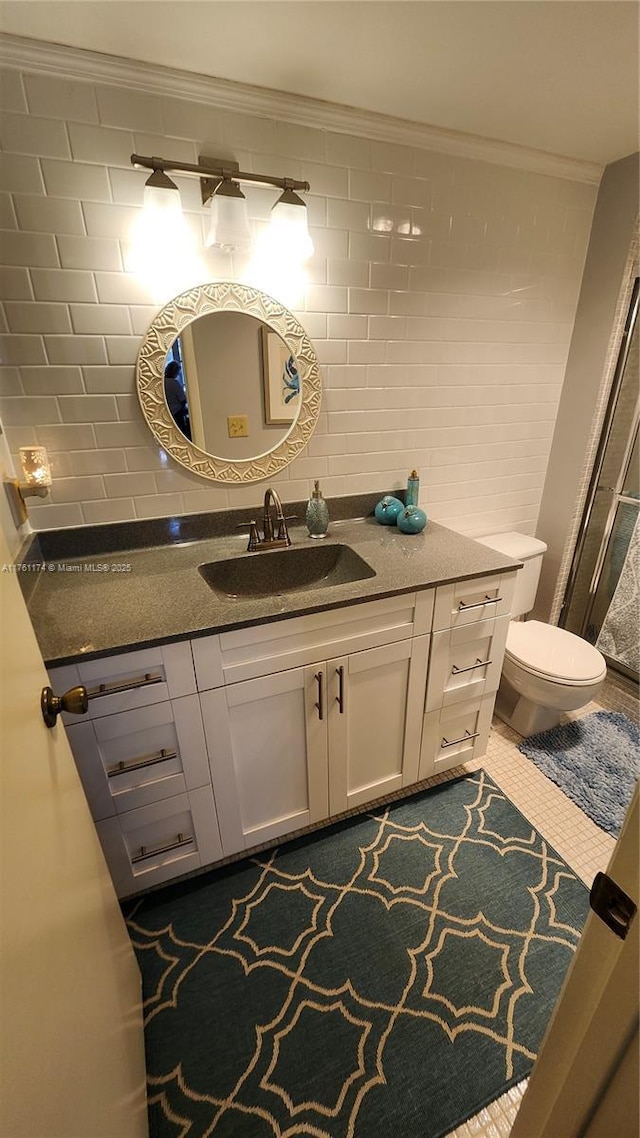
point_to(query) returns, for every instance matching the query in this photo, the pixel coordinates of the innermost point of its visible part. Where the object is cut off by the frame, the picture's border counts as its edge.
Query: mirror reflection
(232, 385)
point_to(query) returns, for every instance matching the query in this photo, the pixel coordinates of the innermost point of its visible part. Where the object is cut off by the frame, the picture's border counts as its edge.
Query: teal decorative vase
(412, 520)
(388, 510)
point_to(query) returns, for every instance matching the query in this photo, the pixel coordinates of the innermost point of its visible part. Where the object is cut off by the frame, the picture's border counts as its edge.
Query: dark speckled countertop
(95, 604)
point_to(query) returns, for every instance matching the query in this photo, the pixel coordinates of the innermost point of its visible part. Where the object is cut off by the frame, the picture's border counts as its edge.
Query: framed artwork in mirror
(280, 380)
(219, 363)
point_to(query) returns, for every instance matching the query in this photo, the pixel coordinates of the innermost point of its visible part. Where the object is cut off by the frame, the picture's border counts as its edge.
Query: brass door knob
(75, 701)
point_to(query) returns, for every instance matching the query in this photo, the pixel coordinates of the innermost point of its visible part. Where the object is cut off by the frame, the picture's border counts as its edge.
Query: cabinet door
(375, 706)
(267, 744)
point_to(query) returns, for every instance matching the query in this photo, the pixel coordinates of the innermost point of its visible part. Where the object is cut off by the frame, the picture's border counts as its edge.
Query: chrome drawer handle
(125, 685)
(479, 604)
(456, 671)
(465, 739)
(139, 764)
(145, 853)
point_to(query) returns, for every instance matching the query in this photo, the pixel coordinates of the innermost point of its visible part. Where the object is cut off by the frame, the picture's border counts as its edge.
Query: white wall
(445, 351)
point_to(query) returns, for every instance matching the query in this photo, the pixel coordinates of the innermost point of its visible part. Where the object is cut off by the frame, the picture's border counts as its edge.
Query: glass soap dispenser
(317, 517)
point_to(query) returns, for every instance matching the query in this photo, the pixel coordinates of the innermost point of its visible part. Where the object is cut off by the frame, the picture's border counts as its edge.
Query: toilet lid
(553, 652)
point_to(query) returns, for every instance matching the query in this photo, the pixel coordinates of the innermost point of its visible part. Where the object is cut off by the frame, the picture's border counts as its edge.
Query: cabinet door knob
(75, 701)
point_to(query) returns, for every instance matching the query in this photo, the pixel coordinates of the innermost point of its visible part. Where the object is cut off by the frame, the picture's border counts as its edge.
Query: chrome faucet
(271, 538)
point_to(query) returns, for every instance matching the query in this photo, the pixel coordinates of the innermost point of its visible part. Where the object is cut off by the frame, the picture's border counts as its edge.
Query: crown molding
(78, 63)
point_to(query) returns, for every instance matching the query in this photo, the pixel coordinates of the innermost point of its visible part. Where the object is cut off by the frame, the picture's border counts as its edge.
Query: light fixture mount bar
(212, 171)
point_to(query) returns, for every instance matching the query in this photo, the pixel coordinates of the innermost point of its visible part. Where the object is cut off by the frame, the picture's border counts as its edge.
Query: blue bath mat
(595, 761)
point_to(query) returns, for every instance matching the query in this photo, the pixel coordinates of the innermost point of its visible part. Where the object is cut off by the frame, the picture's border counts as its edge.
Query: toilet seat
(553, 654)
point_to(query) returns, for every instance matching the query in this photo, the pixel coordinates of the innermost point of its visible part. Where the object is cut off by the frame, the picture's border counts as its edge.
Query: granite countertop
(102, 603)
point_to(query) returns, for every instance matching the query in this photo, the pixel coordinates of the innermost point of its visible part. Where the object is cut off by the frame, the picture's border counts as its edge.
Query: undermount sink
(285, 571)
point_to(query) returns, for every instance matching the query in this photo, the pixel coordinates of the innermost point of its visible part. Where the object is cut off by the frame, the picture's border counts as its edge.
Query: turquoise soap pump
(317, 517)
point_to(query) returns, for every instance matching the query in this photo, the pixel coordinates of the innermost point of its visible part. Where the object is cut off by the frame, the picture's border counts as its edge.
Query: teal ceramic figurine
(388, 509)
(412, 520)
(317, 517)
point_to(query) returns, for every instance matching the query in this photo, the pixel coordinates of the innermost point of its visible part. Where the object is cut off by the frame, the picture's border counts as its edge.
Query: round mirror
(228, 382)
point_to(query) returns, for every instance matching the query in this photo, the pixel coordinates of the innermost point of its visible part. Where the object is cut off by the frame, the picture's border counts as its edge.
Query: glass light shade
(289, 229)
(229, 229)
(35, 466)
(161, 250)
(160, 202)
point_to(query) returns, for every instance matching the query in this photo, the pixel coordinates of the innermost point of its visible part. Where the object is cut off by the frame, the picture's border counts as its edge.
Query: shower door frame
(595, 487)
(631, 271)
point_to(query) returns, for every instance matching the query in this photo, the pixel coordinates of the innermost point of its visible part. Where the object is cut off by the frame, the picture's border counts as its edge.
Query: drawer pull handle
(456, 671)
(340, 695)
(465, 739)
(320, 703)
(139, 764)
(145, 853)
(124, 685)
(479, 604)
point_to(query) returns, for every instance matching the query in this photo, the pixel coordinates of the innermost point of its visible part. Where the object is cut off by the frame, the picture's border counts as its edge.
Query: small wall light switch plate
(237, 426)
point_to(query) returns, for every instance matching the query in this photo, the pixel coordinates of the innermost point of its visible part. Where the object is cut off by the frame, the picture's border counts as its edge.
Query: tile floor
(581, 843)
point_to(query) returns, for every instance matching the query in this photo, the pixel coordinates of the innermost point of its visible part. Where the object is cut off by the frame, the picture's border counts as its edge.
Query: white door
(585, 1081)
(267, 745)
(375, 707)
(72, 1062)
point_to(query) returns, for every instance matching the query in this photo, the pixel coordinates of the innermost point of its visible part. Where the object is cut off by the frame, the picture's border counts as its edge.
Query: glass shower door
(601, 603)
(612, 620)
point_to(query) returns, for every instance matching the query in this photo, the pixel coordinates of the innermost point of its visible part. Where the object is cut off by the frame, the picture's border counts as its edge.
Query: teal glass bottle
(413, 489)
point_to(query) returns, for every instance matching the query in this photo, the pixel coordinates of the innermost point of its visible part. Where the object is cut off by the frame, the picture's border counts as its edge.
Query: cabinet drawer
(453, 735)
(141, 756)
(150, 845)
(466, 662)
(464, 602)
(133, 679)
(285, 644)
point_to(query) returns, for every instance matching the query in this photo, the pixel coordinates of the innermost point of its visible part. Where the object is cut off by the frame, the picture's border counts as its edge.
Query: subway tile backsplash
(441, 303)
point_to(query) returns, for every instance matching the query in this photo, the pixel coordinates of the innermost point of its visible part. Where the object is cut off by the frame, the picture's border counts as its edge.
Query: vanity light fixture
(37, 482)
(219, 183)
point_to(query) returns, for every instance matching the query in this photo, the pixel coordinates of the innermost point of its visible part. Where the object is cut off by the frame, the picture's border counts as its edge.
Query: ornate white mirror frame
(225, 296)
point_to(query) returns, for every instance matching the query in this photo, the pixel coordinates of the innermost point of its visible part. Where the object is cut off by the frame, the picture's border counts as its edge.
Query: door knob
(75, 701)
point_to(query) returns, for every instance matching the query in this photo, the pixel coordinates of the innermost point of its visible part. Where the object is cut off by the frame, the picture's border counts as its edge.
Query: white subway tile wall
(441, 303)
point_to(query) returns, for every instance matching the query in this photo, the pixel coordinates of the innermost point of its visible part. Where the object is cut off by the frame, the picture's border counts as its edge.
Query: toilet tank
(530, 551)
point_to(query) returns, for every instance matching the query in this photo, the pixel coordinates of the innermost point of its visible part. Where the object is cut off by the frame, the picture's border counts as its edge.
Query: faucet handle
(254, 536)
(283, 533)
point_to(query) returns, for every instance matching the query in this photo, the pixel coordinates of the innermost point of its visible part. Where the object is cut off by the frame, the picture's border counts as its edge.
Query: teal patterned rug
(385, 978)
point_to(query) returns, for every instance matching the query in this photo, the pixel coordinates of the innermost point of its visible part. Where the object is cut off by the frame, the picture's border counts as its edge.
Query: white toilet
(546, 670)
